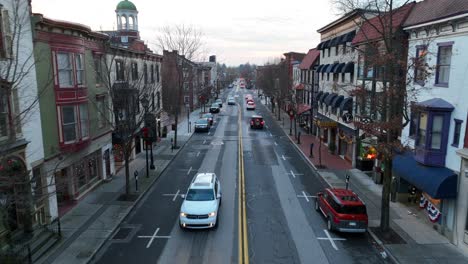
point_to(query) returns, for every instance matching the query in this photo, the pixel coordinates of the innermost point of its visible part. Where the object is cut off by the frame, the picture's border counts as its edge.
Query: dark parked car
(343, 209)
(219, 102)
(202, 125)
(214, 108)
(257, 121)
(209, 116)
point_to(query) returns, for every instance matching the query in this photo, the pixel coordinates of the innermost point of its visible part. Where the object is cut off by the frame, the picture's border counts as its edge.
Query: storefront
(433, 189)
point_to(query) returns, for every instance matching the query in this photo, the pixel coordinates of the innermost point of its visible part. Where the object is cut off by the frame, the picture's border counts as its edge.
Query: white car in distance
(201, 203)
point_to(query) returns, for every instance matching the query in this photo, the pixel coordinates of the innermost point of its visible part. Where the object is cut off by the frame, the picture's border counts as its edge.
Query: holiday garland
(432, 211)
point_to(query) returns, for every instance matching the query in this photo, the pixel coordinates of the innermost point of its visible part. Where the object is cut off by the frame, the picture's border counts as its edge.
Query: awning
(337, 101)
(439, 183)
(323, 97)
(334, 42)
(339, 68)
(319, 68)
(320, 46)
(349, 67)
(303, 108)
(330, 67)
(326, 44)
(347, 104)
(299, 87)
(324, 67)
(348, 37)
(318, 95)
(330, 98)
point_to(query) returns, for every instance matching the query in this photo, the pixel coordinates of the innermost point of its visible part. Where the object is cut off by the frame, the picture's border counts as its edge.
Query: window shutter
(7, 37)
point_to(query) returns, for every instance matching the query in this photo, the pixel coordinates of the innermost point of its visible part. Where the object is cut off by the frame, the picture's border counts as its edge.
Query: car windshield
(358, 209)
(200, 195)
(207, 116)
(202, 121)
(215, 105)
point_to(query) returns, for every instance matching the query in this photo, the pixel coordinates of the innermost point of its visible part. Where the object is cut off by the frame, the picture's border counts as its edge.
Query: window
(422, 130)
(102, 112)
(145, 73)
(420, 64)
(119, 70)
(153, 106)
(413, 121)
(335, 77)
(351, 77)
(436, 137)
(65, 69)
(343, 75)
(337, 50)
(6, 38)
(344, 49)
(84, 121)
(152, 73)
(444, 58)
(186, 86)
(186, 99)
(80, 78)
(456, 132)
(329, 52)
(98, 69)
(69, 123)
(134, 71)
(16, 110)
(157, 72)
(328, 76)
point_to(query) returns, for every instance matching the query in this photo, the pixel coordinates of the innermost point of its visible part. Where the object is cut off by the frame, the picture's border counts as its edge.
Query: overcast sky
(236, 31)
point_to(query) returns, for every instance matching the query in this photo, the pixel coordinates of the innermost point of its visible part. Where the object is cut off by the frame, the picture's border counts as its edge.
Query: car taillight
(251, 122)
(263, 122)
(336, 220)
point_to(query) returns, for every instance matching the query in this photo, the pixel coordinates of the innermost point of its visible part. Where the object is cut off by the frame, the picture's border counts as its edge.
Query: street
(280, 185)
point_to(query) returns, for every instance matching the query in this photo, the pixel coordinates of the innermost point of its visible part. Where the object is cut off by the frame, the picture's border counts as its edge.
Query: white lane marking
(209, 133)
(276, 144)
(305, 196)
(204, 142)
(198, 154)
(294, 176)
(172, 194)
(282, 156)
(189, 171)
(155, 235)
(271, 134)
(331, 239)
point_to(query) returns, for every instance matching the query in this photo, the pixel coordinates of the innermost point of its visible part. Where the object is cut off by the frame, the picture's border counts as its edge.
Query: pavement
(94, 218)
(418, 241)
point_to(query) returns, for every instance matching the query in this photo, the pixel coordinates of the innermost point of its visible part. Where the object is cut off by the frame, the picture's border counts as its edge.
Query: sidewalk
(413, 240)
(87, 226)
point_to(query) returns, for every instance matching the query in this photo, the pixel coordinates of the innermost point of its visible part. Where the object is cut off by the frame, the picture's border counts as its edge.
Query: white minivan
(201, 202)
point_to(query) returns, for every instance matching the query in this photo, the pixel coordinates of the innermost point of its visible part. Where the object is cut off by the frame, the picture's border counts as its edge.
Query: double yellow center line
(242, 221)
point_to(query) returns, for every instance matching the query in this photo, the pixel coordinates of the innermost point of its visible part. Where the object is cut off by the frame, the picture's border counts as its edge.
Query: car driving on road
(201, 202)
(343, 210)
(214, 108)
(202, 124)
(256, 121)
(250, 105)
(219, 102)
(231, 101)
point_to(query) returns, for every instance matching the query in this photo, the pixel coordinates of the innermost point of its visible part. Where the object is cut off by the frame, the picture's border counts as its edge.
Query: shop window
(456, 133)
(444, 59)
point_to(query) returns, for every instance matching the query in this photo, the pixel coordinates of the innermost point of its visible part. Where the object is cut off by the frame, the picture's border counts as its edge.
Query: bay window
(75, 123)
(436, 133)
(80, 78)
(65, 69)
(422, 130)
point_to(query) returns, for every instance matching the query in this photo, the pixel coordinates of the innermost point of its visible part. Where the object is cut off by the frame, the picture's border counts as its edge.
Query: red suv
(343, 209)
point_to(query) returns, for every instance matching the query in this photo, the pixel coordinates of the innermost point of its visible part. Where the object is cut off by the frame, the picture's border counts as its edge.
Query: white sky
(236, 31)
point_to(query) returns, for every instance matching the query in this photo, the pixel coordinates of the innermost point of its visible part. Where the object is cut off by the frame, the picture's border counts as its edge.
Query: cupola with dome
(127, 16)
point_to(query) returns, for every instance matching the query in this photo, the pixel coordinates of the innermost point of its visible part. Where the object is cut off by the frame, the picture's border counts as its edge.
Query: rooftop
(433, 10)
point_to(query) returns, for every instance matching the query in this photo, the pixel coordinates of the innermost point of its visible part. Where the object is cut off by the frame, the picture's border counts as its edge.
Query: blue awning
(439, 183)
(339, 68)
(323, 68)
(323, 97)
(318, 95)
(330, 98)
(349, 67)
(330, 68)
(337, 101)
(319, 68)
(347, 104)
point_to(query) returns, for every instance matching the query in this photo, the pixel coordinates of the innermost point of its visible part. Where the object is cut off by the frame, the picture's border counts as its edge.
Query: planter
(364, 164)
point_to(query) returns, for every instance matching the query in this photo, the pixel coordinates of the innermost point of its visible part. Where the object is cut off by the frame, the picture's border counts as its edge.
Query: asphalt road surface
(282, 226)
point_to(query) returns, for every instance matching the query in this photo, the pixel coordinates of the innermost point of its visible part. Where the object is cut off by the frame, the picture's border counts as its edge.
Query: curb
(381, 244)
(374, 236)
(91, 258)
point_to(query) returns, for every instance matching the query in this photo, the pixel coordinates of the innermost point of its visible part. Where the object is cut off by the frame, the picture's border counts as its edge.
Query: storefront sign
(326, 124)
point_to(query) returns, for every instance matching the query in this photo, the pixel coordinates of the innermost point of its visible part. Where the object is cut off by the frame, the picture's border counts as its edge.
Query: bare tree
(383, 93)
(186, 44)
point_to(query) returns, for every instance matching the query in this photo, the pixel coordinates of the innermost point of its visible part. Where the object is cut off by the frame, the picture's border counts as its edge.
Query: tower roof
(126, 5)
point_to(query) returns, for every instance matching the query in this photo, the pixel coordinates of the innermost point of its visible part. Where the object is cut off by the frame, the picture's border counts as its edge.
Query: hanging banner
(432, 212)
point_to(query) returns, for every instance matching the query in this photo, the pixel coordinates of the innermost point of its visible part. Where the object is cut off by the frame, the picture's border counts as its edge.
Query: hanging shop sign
(326, 124)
